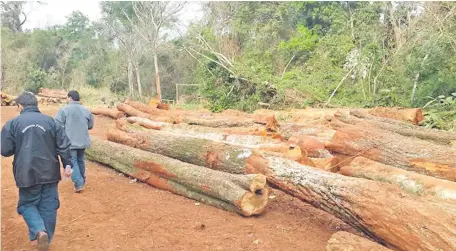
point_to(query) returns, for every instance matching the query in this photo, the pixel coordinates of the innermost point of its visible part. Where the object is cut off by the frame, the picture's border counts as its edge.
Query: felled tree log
(243, 194)
(52, 93)
(311, 146)
(203, 132)
(411, 115)
(344, 241)
(412, 182)
(151, 110)
(403, 128)
(218, 122)
(7, 100)
(147, 123)
(301, 115)
(393, 149)
(113, 113)
(197, 151)
(321, 131)
(131, 111)
(382, 211)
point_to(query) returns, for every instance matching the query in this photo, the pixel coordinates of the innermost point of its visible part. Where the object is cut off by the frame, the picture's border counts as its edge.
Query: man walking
(77, 121)
(36, 140)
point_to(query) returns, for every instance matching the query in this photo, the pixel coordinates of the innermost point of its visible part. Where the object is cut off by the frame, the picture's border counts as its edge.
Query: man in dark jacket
(36, 141)
(77, 121)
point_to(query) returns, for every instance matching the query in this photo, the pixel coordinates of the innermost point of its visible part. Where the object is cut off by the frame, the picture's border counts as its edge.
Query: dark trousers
(38, 206)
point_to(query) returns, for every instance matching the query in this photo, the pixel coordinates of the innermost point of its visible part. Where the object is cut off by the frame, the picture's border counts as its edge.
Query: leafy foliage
(243, 54)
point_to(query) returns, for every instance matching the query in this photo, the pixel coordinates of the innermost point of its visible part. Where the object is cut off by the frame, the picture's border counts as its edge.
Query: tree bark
(411, 115)
(130, 77)
(147, 123)
(204, 132)
(193, 118)
(344, 241)
(144, 108)
(197, 151)
(218, 122)
(402, 128)
(113, 113)
(393, 149)
(419, 184)
(243, 194)
(382, 211)
(138, 78)
(157, 77)
(130, 111)
(311, 146)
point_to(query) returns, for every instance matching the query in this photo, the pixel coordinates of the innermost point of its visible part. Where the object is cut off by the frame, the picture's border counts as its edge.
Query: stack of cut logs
(47, 96)
(7, 100)
(375, 169)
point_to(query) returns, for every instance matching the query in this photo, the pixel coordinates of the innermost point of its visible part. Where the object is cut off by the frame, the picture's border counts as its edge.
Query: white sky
(56, 12)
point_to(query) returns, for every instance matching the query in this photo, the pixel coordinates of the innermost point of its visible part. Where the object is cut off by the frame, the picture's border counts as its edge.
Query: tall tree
(151, 21)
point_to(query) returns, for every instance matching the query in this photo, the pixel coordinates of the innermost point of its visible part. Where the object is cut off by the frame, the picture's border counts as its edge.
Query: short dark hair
(27, 99)
(74, 95)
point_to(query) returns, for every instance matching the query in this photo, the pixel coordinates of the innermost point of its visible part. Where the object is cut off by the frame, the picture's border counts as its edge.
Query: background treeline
(246, 55)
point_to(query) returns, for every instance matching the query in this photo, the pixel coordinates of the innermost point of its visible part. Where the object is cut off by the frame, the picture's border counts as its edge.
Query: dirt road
(116, 214)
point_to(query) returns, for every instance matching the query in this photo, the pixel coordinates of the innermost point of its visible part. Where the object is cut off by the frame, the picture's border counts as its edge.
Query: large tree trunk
(113, 113)
(243, 194)
(130, 111)
(52, 93)
(197, 151)
(311, 146)
(157, 77)
(302, 115)
(411, 115)
(145, 108)
(130, 77)
(204, 132)
(384, 212)
(256, 143)
(207, 120)
(393, 149)
(402, 128)
(344, 241)
(138, 78)
(419, 184)
(315, 129)
(147, 123)
(219, 122)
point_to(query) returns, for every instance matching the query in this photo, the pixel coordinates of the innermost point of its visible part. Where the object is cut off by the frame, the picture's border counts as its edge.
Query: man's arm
(8, 143)
(60, 118)
(90, 123)
(63, 145)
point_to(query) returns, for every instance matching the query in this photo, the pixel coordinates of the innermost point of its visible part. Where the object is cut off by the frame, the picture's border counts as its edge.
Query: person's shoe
(79, 190)
(43, 241)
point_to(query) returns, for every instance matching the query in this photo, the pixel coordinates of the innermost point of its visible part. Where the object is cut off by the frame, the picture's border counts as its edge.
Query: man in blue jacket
(77, 121)
(36, 141)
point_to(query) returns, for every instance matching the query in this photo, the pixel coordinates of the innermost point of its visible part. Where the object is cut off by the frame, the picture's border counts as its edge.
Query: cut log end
(254, 203)
(258, 183)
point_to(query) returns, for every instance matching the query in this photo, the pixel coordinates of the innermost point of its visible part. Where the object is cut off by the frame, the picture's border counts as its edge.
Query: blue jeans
(38, 206)
(78, 176)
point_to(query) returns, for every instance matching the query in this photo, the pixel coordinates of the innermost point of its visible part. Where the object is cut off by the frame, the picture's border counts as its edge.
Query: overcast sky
(55, 12)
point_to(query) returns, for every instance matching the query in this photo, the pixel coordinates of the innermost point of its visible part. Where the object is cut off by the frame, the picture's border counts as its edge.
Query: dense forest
(246, 55)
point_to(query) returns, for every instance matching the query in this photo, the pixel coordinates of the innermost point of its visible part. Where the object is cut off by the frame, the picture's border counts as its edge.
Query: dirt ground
(115, 213)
